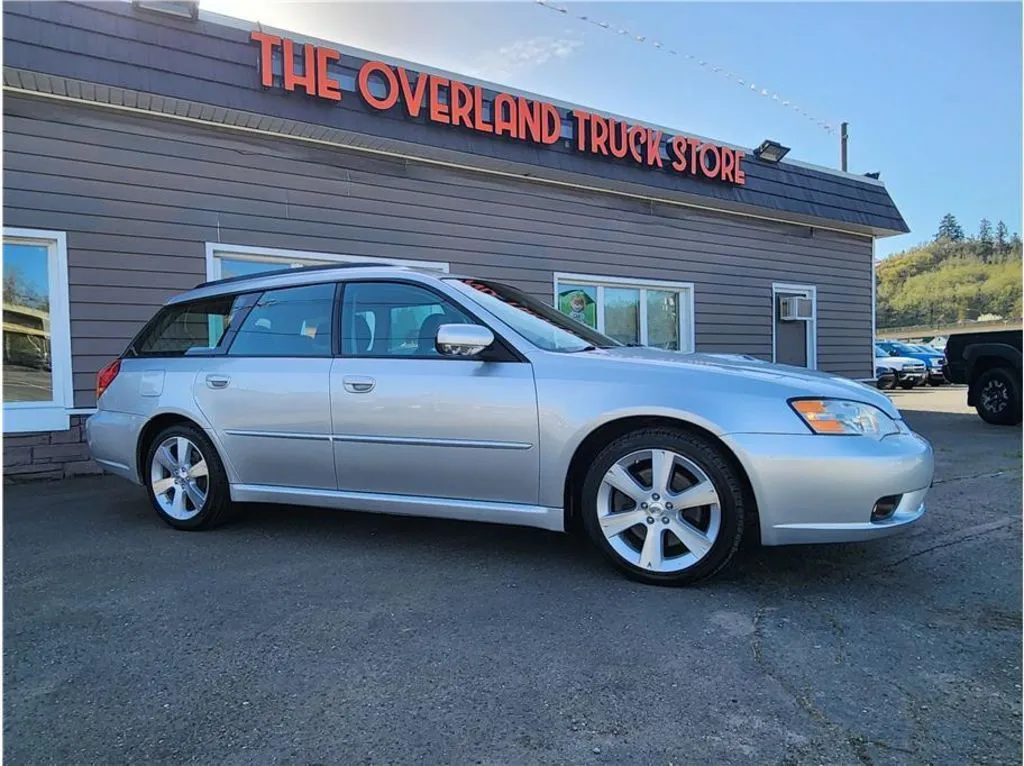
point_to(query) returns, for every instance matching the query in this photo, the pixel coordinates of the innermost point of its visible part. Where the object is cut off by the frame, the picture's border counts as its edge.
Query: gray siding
(111, 45)
(139, 198)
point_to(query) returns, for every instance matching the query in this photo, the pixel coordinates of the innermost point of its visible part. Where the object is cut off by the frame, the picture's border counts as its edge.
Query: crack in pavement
(857, 742)
(967, 535)
(986, 475)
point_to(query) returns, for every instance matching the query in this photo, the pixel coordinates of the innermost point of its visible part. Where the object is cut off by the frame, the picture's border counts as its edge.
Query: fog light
(885, 507)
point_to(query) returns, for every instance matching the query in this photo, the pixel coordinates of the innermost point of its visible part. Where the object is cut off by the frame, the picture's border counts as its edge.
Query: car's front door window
(394, 319)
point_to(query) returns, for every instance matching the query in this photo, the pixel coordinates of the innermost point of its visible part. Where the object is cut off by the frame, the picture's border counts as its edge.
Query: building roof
(208, 70)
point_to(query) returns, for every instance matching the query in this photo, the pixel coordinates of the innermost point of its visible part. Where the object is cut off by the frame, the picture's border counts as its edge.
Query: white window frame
(807, 291)
(687, 329)
(216, 250)
(54, 415)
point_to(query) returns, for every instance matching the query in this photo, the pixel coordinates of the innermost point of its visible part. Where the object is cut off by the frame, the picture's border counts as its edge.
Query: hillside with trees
(953, 278)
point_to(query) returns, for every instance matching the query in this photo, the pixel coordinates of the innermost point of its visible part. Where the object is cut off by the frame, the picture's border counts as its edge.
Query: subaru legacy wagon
(398, 390)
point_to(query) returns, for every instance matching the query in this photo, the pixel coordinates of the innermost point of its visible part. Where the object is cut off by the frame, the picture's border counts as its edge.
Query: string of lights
(829, 126)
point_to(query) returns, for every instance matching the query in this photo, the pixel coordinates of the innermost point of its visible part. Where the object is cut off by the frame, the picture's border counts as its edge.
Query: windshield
(901, 349)
(542, 325)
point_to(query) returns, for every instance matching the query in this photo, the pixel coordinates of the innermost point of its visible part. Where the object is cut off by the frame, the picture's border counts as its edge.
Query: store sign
(451, 102)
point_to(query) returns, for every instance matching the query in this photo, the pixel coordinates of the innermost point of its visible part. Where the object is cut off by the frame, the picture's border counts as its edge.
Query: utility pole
(842, 146)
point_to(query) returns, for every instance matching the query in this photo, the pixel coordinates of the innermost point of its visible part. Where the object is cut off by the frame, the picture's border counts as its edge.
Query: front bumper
(916, 377)
(823, 489)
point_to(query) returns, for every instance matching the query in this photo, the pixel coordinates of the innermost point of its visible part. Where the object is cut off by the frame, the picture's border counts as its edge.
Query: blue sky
(932, 91)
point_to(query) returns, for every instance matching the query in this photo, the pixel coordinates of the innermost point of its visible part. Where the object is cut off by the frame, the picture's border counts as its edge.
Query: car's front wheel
(185, 479)
(665, 506)
(998, 397)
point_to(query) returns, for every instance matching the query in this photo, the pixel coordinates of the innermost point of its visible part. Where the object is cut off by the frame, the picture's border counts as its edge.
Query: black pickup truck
(990, 364)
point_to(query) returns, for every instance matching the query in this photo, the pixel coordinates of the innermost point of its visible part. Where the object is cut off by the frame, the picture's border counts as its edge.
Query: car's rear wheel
(665, 506)
(185, 479)
(997, 397)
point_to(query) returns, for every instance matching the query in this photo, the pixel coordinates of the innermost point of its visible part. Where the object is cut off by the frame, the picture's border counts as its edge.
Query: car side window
(186, 328)
(394, 319)
(292, 321)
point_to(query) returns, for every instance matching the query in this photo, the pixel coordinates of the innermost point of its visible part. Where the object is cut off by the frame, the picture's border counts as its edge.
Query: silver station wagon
(398, 390)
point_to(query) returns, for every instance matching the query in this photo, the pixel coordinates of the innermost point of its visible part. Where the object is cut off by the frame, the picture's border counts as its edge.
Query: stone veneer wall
(48, 454)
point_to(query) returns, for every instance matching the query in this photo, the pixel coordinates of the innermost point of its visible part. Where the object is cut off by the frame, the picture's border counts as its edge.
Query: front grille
(914, 368)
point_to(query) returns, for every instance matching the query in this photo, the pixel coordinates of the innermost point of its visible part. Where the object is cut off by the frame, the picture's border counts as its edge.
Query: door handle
(217, 381)
(358, 384)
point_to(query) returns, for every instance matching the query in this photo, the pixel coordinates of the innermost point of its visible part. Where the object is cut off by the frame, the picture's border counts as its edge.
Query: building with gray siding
(144, 153)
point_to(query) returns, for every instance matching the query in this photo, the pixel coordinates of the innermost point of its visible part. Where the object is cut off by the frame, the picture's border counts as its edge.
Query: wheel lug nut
(669, 506)
(655, 498)
(644, 506)
(664, 519)
(650, 519)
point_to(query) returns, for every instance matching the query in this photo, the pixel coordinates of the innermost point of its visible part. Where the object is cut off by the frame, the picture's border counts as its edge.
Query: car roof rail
(294, 270)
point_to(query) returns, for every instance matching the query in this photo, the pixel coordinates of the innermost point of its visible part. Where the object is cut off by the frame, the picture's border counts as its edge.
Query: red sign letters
(451, 102)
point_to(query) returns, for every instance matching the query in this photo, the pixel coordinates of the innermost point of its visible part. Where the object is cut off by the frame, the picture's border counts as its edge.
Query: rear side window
(294, 321)
(193, 327)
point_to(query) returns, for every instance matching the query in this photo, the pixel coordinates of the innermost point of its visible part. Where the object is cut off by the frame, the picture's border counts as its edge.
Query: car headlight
(839, 417)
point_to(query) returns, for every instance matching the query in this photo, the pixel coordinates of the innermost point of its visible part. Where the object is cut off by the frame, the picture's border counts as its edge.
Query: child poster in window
(580, 303)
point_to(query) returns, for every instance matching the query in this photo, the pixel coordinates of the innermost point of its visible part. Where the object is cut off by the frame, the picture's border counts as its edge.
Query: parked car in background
(885, 377)
(909, 372)
(990, 364)
(303, 386)
(932, 360)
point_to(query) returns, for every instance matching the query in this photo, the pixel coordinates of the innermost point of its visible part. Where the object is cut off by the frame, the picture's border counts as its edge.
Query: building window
(37, 386)
(638, 311)
(224, 261)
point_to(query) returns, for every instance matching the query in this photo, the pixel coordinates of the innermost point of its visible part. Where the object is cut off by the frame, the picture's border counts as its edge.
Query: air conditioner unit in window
(794, 308)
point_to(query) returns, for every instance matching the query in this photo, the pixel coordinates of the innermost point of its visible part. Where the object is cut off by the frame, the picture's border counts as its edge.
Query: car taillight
(106, 376)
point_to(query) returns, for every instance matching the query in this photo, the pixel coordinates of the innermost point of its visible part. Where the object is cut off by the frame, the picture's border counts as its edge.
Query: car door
(268, 397)
(408, 421)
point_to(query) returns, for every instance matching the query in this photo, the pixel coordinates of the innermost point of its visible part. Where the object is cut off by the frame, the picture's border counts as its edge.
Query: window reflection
(28, 374)
(622, 314)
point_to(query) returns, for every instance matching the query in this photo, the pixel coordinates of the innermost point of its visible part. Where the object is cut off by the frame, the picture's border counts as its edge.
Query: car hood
(896, 361)
(794, 381)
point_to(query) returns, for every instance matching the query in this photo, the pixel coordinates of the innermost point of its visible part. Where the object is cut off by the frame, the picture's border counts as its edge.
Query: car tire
(713, 530)
(198, 498)
(997, 397)
(906, 385)
(887, 386)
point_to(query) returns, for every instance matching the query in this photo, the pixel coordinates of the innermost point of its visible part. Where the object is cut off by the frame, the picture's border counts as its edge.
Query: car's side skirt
(516, 514)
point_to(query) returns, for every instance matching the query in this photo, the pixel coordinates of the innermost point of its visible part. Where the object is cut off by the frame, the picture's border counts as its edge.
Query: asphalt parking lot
(297, 636)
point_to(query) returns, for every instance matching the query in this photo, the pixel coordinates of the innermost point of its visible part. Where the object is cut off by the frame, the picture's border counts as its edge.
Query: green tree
(985, 231)
(950, 229)
(1002, 237)
(985, 239)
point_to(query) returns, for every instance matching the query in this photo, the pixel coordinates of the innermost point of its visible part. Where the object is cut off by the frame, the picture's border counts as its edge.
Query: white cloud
(524, 54)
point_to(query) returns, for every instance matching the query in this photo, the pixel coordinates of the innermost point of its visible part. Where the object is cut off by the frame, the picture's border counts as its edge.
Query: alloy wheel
(179, 478)
(659, 510)
(995, 397)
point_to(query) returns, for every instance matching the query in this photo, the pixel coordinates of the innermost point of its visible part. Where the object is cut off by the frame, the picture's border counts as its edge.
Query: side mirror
(462, 339)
